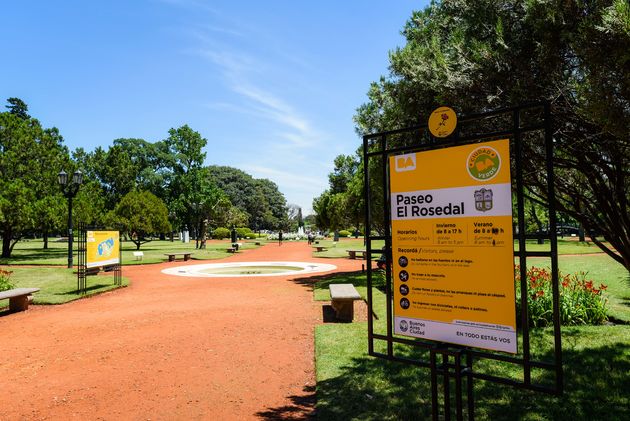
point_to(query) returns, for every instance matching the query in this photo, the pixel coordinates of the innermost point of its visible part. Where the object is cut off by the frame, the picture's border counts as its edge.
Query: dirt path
(168, 348)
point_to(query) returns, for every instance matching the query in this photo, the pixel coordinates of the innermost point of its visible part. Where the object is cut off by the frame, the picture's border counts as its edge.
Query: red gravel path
(169, 348)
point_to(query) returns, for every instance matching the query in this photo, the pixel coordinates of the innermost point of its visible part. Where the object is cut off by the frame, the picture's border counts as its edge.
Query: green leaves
(30, 158)
(481, 55)
(141, 214)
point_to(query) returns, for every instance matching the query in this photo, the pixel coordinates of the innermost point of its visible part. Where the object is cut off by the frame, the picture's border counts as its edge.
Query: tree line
(480, 55)
(145, 188)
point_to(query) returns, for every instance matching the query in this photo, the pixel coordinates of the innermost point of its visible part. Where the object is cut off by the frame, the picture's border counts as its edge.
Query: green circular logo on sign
(483, 163)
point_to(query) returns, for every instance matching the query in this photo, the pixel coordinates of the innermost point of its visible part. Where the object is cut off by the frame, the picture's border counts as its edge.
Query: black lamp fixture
(70, 188)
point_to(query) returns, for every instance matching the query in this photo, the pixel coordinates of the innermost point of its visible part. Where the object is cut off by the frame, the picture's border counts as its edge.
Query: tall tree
(264, 204)
(342, 204)
(18, 108)
(141, 214)
(186, 149)
(484, 54)
(275, 200)
(30, 158)
(345, 168)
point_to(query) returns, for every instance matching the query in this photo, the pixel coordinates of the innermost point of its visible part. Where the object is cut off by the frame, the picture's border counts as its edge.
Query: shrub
(242, 232)
(5, 280)
(581, 303)
(251, 235)
(344, 233)
(221, 233)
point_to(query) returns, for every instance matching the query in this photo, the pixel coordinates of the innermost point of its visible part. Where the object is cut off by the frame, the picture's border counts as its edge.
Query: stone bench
(320, 248)
(231, 249)
(171, 256)
(19, 298)
(342, 297)
(352, 254)
(138, 255)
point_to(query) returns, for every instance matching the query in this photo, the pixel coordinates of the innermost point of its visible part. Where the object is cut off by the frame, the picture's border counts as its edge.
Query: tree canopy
(477, 55)
(30, 158)
(141, 214)
(185, 194)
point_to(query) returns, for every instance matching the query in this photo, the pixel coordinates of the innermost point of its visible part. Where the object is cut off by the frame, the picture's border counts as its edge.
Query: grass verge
(58, 285)
(354, 386)
(32, 252)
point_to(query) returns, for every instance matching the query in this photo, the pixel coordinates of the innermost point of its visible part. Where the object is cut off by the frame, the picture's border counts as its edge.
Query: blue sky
(272, 85)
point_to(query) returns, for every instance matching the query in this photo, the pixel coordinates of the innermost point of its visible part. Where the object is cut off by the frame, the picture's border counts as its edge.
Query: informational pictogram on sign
(452, 247)
(103, 248)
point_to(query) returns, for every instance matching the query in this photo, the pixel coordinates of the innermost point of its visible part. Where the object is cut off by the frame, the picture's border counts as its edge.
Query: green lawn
(353, 385)
(57, 285)
(31, 252)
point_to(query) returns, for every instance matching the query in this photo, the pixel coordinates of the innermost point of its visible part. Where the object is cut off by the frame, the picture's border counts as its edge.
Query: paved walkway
(169, 348)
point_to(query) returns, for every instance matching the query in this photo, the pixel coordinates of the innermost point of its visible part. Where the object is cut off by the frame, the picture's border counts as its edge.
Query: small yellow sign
(103, 248)
(442, 122)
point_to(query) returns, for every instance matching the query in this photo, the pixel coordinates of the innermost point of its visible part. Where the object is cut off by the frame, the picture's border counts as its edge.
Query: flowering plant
(290, 236)
(5, 280)
(581, 302)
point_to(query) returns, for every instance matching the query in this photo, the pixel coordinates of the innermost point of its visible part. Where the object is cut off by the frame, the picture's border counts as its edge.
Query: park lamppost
(69, 188)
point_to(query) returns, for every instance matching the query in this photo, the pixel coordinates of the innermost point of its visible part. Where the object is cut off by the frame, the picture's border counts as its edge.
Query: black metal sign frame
(526, 126)
(82, 257)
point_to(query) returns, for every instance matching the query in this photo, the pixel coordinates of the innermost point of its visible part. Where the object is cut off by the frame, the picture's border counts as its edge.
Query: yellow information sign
(442, 122)
(453, 253)
(103, 248)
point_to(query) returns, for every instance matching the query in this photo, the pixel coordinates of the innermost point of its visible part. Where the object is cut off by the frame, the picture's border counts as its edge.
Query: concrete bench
(320, 248)
(171, 256)
(352, 254)
(19, 298)
(342, 297)
(138, 255)
(231, 249)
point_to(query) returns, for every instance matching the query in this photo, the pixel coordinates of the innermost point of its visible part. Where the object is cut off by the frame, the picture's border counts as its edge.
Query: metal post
(70, 232)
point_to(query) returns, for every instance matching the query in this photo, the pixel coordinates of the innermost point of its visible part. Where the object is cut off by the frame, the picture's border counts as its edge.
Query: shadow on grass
(301, 407)
(87, 289)
(356, 278)
(596, 386)
(32, 255)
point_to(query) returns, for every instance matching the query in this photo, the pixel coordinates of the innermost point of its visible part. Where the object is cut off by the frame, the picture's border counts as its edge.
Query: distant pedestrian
(280, 238)
(310, 238)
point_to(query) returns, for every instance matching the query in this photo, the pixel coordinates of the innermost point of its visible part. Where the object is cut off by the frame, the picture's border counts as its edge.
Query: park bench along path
(169, 347)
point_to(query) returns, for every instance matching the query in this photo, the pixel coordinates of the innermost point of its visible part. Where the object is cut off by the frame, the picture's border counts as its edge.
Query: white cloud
(285, 178)
(288, 144)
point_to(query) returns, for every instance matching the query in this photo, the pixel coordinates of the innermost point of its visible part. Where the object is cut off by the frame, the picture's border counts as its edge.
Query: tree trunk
(203, 229)
(6, 242)
(532, 212)
(45, 240)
